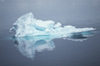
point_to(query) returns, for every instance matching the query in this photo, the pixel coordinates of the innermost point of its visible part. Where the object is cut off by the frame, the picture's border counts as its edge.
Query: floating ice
(34, 35)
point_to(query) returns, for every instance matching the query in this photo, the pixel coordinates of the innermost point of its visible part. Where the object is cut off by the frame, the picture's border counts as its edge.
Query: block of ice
(34, 35)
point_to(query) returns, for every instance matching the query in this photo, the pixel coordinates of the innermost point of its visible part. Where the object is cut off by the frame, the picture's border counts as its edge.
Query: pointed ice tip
(30, 13)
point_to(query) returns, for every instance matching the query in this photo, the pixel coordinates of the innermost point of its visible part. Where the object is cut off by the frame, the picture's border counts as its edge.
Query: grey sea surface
(79, 13)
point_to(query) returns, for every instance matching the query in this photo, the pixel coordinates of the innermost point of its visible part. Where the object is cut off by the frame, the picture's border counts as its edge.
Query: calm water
(80, 13)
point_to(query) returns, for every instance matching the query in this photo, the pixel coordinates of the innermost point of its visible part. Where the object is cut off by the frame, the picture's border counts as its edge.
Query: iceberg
(34, 35)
